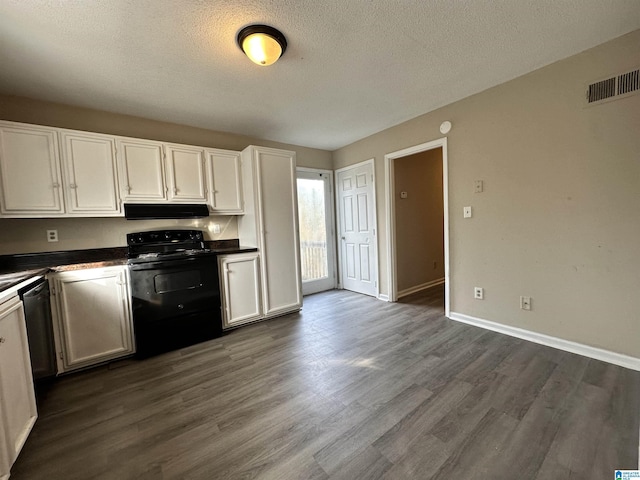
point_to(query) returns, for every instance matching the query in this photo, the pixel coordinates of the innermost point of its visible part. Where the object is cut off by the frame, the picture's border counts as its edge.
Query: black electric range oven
(175, 290)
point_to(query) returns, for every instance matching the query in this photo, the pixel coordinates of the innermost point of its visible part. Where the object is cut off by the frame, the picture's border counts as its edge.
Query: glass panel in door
(316, 231)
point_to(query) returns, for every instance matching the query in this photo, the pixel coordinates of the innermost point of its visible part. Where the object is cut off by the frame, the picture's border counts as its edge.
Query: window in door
(315, 211)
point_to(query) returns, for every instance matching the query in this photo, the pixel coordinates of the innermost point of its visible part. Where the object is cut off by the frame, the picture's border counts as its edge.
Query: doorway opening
(429, 244)
(317, 234)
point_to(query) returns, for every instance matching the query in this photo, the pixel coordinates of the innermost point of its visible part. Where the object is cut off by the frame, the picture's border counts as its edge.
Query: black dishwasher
(37, 312)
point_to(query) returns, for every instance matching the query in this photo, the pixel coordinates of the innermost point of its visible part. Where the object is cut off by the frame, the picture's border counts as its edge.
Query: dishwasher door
(37, 311)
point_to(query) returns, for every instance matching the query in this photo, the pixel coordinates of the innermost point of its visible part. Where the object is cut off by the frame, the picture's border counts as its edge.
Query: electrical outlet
(52, 235)
(466, 212)
(404, 195)
(216, 228)
(525, 303)
(478, 293)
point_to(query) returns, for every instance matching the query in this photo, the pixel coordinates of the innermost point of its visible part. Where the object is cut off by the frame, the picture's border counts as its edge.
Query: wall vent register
(617, 86)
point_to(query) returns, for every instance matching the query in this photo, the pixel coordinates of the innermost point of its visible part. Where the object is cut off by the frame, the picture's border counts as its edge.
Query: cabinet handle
(56, 185)
(73, 185)
(127, 188)
(175, 191)
(2, 339)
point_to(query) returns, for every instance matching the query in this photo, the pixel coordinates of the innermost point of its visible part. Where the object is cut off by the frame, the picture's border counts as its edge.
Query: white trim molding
(419, 288)
(567, 345)
(389, 159)
(383, 297)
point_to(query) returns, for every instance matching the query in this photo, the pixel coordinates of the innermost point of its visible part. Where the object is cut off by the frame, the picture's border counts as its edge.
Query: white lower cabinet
(92, 316)
(240, 286)
(17, 398)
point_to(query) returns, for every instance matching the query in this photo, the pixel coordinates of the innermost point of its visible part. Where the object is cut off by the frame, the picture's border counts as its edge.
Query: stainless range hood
(150, 211)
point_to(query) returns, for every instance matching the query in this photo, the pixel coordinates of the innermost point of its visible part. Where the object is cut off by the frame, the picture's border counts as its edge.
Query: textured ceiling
(352, 68)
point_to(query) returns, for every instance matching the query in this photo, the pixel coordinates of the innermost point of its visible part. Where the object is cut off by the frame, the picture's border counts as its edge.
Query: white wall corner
(567, 345)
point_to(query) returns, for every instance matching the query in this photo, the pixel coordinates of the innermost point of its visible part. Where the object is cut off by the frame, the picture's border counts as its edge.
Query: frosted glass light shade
(263, 45)
(262, 49)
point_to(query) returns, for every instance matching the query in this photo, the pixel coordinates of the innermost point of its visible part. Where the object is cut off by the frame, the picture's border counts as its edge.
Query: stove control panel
(165, 236)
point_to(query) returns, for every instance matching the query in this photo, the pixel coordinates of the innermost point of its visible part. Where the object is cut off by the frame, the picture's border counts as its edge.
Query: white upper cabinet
(225, 182)
(141, 169)
(29, 171)
(89, 170)
(52, 172)
(186, 173)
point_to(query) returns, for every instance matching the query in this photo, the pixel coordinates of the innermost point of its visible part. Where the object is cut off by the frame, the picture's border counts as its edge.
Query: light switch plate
(478, 186)
(467, 212)
(216, 228)
(404, 195)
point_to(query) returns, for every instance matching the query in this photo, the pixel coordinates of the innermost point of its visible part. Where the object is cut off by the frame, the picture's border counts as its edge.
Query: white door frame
(330, 219)
(375, 223)
(389, 160)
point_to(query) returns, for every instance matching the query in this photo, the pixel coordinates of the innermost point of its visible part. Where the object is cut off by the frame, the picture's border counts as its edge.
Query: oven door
(175, 303)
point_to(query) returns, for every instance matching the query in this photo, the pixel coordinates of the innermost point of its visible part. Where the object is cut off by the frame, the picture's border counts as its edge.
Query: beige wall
(20, 109)
(419, 219)
(29, 235)
(558, 219)
(25, 236)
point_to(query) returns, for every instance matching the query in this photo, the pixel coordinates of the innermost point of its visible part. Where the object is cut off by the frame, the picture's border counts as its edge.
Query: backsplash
(30, 235)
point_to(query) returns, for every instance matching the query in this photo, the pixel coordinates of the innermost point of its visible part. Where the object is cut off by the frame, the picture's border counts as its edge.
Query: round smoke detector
(445, 127)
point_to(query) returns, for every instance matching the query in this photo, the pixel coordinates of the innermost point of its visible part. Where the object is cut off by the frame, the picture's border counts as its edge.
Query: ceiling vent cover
(614, 87)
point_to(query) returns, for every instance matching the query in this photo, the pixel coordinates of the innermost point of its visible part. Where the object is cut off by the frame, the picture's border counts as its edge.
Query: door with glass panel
(317, 241)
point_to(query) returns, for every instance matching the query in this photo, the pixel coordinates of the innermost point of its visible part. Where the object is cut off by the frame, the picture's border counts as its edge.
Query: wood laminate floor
(350, 388)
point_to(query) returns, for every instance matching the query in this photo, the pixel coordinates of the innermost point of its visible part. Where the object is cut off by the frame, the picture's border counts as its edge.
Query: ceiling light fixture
(263, 45)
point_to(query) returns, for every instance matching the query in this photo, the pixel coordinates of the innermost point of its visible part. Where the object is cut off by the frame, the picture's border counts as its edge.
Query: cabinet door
(240, 289)
(17, 397)
(89, 166)
(225, 185)
(186, 174)
(280, 245)
(29, 171)
(141, 171)
(93, 316)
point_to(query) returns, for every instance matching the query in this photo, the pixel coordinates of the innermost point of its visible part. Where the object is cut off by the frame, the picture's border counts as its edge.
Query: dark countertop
(231, 250)
(9, 280)
(15, 269)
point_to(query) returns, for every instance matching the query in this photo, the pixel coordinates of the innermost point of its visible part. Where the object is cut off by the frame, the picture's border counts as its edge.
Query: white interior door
(317, 239)
(357, 228)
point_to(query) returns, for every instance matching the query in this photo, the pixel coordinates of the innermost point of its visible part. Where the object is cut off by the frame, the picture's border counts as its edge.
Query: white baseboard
(419, 288)
(592, 352)
(383, 297)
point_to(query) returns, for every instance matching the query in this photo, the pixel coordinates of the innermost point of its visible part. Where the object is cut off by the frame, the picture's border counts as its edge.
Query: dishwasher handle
(34, 289)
